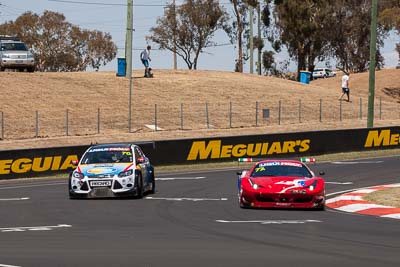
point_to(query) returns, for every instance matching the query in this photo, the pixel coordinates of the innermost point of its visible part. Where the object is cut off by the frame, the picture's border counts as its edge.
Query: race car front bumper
(116, 188)
(284, 201)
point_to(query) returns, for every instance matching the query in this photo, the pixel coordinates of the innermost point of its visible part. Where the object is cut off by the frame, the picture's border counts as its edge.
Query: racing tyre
(31, 69)
(2, 68)
(153, 184)
(71, 196)
(139, 187)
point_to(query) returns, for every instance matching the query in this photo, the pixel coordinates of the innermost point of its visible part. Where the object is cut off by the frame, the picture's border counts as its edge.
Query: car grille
(283, 199)
(18, 56)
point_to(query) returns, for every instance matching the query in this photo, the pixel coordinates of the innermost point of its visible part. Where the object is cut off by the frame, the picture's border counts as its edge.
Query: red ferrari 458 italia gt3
(281, 184)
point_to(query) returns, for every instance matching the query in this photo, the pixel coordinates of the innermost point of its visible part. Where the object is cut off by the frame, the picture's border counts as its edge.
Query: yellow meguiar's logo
(215, 150)
(378, 138)
(37, 164)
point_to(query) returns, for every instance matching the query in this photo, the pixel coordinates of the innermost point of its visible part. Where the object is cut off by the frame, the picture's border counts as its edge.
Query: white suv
(323, 73)
(15, 55)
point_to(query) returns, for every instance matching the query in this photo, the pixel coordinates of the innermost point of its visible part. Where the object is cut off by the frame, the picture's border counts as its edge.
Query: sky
(112, 19)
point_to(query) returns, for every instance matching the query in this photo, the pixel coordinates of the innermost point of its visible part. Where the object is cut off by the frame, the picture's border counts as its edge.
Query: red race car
(281, 184)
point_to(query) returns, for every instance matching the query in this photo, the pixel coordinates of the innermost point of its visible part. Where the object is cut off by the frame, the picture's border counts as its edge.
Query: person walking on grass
(145, 58)
(345, 86)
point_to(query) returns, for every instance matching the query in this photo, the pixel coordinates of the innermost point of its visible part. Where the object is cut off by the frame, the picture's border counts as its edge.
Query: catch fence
(79, 121)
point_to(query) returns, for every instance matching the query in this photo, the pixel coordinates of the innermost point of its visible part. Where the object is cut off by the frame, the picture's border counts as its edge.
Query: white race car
(112, 170)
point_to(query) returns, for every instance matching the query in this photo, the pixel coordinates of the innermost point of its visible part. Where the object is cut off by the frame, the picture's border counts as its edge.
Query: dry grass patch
(180, 99)
(387, 197)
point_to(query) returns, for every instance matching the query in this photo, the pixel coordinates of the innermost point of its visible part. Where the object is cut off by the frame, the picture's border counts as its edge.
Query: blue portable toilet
(305, 76)
(121, 67)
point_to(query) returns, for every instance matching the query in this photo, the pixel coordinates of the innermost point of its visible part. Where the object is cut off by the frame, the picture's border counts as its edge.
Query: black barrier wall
(46, 161)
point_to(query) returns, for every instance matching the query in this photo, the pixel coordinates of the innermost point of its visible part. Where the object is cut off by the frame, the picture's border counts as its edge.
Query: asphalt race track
(194, 220)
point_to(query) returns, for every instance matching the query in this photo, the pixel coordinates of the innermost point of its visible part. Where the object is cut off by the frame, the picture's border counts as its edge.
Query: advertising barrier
(49, 161)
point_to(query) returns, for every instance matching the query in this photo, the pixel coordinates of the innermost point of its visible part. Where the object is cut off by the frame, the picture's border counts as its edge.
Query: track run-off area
(194, 220)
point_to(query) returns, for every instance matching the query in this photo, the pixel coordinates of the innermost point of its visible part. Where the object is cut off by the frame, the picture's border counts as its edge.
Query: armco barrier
(46, 161)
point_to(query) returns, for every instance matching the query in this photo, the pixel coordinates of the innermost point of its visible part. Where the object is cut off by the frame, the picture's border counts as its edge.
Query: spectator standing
(145, 58)
(345, 86)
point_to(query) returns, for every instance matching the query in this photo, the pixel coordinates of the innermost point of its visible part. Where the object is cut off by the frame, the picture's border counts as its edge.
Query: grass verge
(387, 197)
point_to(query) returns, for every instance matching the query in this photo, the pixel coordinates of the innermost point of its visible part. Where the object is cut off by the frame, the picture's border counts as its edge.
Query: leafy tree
(239, 25)
(297, 26)
(349, 39)
(193, 24)
(60, 46)
(390, 17)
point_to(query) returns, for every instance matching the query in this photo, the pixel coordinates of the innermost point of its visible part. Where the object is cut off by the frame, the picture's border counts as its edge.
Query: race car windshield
(272, 169)
(107, 157)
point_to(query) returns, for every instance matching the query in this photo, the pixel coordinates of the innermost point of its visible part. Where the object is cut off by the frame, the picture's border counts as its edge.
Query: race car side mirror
(321, 173)
(239, 172)
(75, 163)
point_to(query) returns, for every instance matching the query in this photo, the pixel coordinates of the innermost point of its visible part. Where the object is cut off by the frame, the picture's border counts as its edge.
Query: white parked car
(323, 73)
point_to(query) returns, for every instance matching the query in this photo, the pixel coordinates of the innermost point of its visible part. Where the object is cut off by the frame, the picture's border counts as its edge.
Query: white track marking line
(14, 199)
(33, 228)
(186, 198)
(7, 265)
(28, 186)
(272, 221)
(179, 178)
(340, 183)
(356, 162)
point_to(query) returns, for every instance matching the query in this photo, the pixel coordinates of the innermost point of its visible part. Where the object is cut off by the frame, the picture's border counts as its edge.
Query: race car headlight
(313, 185)
(30, 55)
(77, 175)
(125, 173)
(255, 186)
(6, 56)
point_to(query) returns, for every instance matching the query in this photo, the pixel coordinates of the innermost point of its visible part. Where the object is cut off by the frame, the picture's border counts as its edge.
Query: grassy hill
(230, 98)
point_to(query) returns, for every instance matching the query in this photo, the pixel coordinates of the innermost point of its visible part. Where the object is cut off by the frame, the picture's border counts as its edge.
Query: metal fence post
(155, 117)
(181, 116)
(279, 112)
(230, 114)
(98, 120)
(256, 113)
(299, 110)
(340, 110)
(2, 125)
(36, 124)
(66, 122)
(320, 110)
(361, 108)
(380, 108)
(207, 119)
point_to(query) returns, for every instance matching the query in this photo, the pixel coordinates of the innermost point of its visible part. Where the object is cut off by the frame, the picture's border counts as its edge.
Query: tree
(350, 37)
(60, 46)
(193, 24)
(239, 25)
(298, 27)
(390, 18)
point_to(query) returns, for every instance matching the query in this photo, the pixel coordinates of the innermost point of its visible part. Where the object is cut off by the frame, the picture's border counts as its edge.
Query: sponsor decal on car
(215, 150)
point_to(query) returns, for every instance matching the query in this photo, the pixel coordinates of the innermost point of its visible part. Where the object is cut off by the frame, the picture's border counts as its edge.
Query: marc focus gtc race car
(112, 170)
(281, 184)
